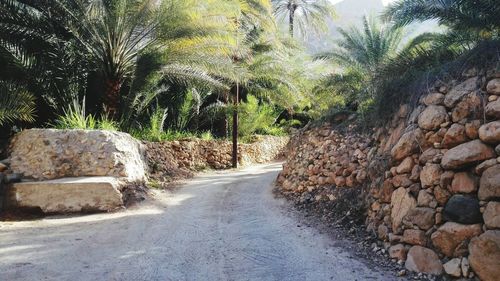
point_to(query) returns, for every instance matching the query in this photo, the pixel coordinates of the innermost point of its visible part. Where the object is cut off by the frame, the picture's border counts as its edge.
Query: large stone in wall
(50, 154)
(459, 91)
(490, 132)
(432, 117)
(492, 215)
(489, 185)
(421, 259)
(451, 238)
(485, 255)
(401, 204)
(466, 154)
(407, 145)
(462, 209)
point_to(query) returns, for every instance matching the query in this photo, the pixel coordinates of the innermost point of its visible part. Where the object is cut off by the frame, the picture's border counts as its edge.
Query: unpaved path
(219, 226)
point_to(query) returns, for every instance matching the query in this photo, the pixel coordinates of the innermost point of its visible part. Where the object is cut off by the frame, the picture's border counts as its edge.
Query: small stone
(421, 217)
(462, 209)
(493, 87)
(425, 199)
(489, 185)
(464, 182)
(401, 273)
(3, 167)
(492, 98)
(454, 136)
(424, 260)
(414, 237)
(491, 215)
(472, 129)
(405, 166)
(465, 266)
(442, 195)
(492, 109)
(452, 267)
(484, 166)
(433, 99)
(428, 155)
(490, 132)
(398, 252)
(430, 175)
(382, 232)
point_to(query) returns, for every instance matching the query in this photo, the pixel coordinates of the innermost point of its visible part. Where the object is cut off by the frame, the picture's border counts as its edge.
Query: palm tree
(303, 14)
(38, 51)
(17, 104)
(479, 16)
(366, 49)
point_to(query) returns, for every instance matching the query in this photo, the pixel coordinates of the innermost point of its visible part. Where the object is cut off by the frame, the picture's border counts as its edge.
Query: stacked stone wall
(433, 177)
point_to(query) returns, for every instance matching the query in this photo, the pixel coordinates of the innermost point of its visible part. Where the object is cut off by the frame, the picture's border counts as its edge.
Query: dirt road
(219, 226)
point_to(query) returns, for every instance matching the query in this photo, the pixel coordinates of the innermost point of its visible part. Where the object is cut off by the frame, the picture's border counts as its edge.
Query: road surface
(218, 226)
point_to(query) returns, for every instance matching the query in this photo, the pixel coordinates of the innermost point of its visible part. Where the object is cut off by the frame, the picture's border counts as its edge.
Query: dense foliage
(174, 68)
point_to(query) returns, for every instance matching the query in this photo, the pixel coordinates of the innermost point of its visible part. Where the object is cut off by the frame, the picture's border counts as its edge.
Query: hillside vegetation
(168, 69)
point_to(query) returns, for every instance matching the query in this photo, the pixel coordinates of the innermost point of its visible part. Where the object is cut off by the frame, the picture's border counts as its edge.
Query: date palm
(303, 14)
(366, 48)
(478, 16)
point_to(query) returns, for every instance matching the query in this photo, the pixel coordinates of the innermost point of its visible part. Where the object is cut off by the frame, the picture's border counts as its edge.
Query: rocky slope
(429, 179)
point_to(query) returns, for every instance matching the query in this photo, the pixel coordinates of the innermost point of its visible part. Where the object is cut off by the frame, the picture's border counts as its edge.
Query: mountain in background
(350, 12)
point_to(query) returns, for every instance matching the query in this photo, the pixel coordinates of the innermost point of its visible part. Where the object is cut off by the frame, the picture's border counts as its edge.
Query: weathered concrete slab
(68, 195)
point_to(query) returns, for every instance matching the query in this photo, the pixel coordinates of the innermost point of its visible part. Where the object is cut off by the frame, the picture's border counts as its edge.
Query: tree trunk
(112, 98)
(291, 18)
(235, 127)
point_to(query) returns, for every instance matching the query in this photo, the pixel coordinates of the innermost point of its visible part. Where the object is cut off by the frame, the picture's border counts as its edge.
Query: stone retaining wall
(180, 159)
(433, 177)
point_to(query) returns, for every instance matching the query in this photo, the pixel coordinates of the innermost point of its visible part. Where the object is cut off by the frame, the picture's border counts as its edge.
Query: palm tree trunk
(112, 97)
(235, 127)
(291, 18)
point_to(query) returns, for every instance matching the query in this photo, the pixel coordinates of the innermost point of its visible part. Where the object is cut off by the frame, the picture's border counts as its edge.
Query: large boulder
(462, 209)
(69, 195)
(420, 259)
(485, 255)
(490, 132)
(432, 117)
(459, 91)
(466, 154)
(50, 154)
(492, 215)
(451, 238)
(489, 185)
(401, 204)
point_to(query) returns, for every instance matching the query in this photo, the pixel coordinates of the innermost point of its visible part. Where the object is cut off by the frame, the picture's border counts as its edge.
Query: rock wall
(179, 159)
(432, 176)
(44, 154)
